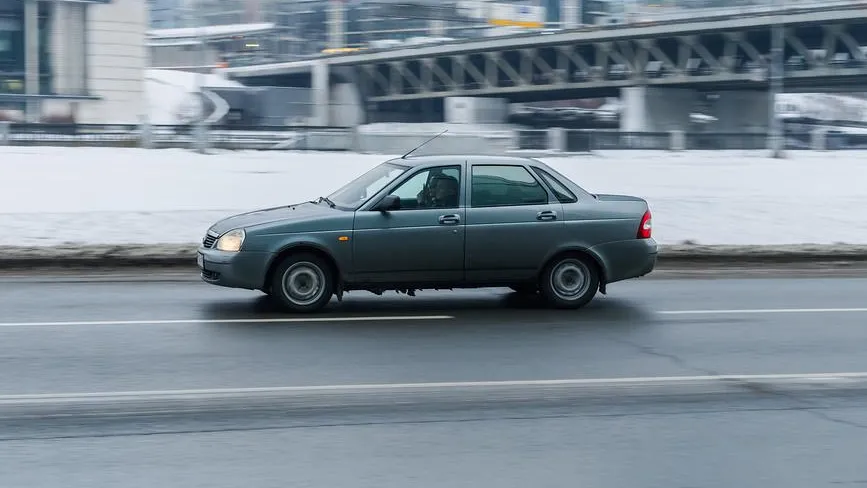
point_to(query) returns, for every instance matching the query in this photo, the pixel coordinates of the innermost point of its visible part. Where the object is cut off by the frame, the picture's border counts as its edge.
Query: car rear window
(564, 195)
(498, 186)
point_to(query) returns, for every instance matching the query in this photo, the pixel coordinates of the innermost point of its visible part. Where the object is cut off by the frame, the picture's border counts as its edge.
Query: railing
(301, 138)
(587, 140)
(177, 136)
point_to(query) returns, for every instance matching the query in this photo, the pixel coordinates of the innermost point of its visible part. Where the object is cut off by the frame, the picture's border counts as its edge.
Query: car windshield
(357, 191)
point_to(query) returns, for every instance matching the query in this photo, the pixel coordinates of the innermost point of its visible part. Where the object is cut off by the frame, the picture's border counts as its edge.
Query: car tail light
(646, 226)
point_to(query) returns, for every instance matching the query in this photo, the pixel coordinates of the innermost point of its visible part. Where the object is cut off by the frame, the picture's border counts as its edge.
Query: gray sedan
(437, 222)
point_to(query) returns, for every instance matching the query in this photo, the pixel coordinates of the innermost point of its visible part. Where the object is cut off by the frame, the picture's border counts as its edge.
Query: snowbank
(50, 196)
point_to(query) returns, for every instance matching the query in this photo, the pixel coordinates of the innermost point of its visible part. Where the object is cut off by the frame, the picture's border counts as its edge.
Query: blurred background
(531, 75)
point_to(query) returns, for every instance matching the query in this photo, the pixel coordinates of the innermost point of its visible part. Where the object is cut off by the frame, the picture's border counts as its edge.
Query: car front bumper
(242, 269)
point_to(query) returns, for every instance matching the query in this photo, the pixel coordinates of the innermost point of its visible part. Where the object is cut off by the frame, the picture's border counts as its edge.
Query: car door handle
(449, 219)
(546, 215)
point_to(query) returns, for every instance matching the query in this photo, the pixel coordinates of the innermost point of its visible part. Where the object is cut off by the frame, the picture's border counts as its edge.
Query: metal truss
(828, 56)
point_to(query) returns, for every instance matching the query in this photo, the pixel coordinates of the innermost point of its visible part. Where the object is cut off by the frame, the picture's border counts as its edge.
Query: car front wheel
(303, 283)
(569, 282)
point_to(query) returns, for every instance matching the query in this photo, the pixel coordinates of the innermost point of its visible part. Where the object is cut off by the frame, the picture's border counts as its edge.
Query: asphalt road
(81, 336)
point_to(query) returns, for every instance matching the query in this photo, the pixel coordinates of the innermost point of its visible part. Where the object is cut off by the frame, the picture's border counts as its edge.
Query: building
(73, 60)
(167, 14)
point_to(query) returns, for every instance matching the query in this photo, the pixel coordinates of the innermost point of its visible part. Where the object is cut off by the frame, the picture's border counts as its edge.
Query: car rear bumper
(243, 269)
(624, 260)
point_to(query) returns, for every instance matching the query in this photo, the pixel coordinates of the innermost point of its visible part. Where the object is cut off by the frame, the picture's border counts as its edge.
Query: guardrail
(305, 138)
(587, 140)
(177, 136)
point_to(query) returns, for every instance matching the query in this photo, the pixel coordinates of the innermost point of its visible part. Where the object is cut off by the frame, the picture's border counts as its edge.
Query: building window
(12, 65)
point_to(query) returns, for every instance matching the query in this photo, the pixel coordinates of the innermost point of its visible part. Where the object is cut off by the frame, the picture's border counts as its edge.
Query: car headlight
(231, 241)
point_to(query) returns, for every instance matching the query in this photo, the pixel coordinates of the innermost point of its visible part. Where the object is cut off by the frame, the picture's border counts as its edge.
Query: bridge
(655, 66)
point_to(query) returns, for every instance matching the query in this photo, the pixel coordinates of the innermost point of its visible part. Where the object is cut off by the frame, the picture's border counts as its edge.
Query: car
(437, 222)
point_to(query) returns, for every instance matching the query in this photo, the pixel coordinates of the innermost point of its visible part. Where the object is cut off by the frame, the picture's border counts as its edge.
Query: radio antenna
(423, 144)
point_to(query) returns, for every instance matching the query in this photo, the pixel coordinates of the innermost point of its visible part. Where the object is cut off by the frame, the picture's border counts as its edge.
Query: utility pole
(776, 137)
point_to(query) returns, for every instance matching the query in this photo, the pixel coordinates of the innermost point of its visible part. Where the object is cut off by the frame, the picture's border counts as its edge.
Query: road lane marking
(763, 311)
(286, 320)
(640, 380)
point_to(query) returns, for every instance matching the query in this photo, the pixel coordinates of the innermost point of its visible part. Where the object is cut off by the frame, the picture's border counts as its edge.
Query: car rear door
(512, 223)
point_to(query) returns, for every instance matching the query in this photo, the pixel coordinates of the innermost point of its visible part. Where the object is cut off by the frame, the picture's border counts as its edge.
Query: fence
(178, 136)
(587, 140)
(542, 141)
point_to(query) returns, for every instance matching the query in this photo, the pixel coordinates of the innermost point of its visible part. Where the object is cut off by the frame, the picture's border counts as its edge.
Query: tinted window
(498, 186)
(563, 194)
(431, 188)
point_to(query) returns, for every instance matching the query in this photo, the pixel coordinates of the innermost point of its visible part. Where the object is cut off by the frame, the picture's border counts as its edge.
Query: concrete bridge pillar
(321, 88)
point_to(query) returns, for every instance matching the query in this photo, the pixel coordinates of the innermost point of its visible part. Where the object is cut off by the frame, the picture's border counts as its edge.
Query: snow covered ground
(51, 196)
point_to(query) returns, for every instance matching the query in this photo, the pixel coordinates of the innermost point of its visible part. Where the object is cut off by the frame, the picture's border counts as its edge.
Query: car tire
(303, 283)
(569, 282)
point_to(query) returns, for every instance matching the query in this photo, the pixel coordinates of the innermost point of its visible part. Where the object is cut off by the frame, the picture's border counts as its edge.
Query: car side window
(563, 194)
(437, 187)
(505, 185)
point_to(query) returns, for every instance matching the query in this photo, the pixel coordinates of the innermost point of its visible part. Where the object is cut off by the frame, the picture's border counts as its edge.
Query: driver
(442, 193)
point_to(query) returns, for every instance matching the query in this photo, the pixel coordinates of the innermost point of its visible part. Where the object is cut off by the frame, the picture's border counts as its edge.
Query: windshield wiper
(326, 200)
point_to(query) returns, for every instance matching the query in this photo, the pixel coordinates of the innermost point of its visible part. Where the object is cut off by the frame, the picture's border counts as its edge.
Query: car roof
(472, 159)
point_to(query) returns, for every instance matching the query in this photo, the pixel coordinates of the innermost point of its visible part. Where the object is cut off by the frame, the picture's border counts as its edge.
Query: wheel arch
(588, 255)
(296, 248)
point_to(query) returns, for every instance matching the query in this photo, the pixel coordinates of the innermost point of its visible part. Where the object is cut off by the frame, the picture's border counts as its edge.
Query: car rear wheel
(303, 283)
(569, 282)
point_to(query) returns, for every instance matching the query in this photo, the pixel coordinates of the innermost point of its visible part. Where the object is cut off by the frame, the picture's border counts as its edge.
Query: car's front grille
(209, 240)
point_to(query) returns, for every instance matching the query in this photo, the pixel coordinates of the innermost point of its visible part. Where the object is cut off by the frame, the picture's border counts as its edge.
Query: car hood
(291, 213)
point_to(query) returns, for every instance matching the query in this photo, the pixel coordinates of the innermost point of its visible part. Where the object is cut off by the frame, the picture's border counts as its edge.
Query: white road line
(763, 311)
(392, 318)
(228, 321)
(844, 376)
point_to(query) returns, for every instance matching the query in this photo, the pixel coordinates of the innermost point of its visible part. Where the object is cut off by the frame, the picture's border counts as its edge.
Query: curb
(184, 256)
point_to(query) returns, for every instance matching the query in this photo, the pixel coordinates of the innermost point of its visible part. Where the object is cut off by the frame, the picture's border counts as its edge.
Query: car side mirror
(389, 202)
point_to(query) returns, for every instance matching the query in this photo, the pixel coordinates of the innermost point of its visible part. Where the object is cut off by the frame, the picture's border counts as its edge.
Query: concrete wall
(399, 143)
(650, 109)
(116, 62)
(742, 111)
(181, 56)
(475, 110)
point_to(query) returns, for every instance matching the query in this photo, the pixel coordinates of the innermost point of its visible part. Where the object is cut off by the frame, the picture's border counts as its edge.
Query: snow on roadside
(51, 196)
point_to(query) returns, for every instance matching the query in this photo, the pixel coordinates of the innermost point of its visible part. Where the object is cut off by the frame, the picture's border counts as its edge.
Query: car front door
(512, 223)
(422, 241)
